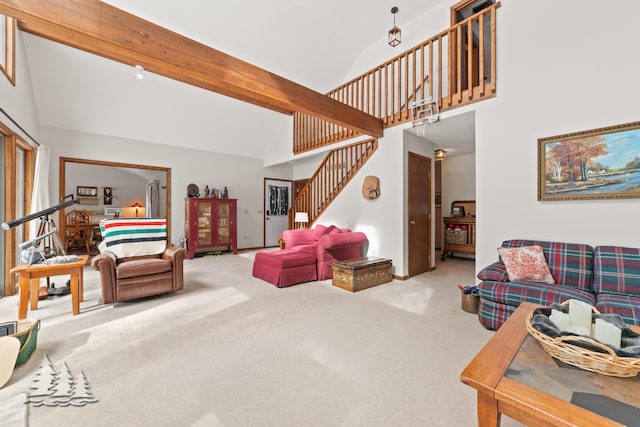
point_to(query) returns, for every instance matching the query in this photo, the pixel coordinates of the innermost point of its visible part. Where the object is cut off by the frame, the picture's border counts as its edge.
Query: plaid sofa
(607, 277)
(616, 281)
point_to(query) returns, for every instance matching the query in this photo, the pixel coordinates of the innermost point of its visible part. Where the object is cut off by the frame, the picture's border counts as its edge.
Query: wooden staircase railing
(465, 53)
(333, 174)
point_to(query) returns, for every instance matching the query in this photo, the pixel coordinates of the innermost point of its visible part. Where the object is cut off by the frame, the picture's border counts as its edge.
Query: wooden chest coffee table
(515, 376)
(357, 274)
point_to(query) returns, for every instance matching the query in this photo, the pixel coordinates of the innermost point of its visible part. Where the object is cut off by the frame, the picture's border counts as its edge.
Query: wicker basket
(470, 302)
(608, 363)
(28, 337)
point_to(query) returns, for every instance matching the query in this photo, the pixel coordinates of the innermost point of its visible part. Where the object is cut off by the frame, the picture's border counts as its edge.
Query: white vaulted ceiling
(314, 44)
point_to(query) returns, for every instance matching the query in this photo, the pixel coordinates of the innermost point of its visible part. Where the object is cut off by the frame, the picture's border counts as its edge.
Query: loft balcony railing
(454, 68)
(334, 173)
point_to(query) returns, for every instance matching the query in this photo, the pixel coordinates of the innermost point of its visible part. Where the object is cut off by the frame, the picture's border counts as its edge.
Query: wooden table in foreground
(515, 376)
(29, 282)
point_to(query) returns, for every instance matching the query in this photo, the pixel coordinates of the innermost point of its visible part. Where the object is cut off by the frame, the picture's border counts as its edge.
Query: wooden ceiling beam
(101, 29)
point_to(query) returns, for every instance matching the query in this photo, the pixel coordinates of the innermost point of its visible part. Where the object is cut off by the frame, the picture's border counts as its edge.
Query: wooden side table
(29, 283)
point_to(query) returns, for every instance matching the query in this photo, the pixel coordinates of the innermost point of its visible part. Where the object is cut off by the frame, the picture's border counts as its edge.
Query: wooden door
(419, 228)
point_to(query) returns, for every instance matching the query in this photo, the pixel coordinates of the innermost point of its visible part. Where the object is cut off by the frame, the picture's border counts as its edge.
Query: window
(8, 47)
(18, 162)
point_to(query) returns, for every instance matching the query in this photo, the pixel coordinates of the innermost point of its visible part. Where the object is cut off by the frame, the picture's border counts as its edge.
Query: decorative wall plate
(193, 190)
(371, 188)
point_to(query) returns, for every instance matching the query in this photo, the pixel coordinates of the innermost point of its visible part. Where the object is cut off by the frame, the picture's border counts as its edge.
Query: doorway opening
(459, 12)
(110, 198)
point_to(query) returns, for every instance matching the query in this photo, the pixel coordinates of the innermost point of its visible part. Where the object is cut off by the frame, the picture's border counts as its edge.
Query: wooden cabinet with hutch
(459, 232)
(210, 223)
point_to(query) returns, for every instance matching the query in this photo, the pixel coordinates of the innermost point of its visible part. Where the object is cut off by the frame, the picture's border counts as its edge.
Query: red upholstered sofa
(308, 252)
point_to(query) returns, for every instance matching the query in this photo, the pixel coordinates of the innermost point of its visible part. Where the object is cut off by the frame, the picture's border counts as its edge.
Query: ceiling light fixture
(139, 72)
(395, 35)
(440, 154)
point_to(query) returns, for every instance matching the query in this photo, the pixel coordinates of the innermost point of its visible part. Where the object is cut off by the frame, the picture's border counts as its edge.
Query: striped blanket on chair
(128, 237)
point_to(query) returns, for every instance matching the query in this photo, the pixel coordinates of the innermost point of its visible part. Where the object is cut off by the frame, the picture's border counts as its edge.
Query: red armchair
(328, 244)
(337, 247)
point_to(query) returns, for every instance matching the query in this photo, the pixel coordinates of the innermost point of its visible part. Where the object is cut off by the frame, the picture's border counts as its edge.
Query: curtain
(278, 200)
(40, 197)
(153, 199)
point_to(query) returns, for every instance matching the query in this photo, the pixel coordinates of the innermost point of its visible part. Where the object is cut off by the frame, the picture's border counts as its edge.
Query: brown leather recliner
(125, 279)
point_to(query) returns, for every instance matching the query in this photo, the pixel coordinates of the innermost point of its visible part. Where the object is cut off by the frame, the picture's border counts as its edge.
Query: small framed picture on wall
(107, 195)
(82, 191)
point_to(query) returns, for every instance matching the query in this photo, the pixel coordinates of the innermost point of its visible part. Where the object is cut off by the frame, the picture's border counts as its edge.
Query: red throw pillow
(526, 263)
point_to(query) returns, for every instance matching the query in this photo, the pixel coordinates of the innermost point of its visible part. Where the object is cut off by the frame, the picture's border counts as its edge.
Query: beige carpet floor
(232, 350)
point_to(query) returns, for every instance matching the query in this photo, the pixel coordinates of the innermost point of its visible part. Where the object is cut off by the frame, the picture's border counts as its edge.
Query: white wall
(563, 67)
(380, 219)
(18, 100)
(458, 180)
(242, 175)
(279, 140)
(415, 30)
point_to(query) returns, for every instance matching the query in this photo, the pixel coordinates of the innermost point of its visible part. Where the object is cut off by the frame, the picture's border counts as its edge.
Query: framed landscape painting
(595, 164)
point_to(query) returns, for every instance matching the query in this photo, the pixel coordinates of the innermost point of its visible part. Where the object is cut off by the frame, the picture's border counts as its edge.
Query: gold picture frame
(595, 164)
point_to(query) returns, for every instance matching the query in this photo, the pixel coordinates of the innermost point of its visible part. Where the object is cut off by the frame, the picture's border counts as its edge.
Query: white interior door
(277, 199)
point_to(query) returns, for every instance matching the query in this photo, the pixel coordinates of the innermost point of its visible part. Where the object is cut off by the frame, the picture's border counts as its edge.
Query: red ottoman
(285, 267)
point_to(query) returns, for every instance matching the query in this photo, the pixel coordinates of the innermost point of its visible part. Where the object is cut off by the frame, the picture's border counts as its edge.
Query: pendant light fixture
(395, 35)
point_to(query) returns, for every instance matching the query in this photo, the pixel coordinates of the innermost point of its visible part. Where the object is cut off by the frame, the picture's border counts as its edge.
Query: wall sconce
(440, 154)
(395, 35)
(139, 72)
(301, 218)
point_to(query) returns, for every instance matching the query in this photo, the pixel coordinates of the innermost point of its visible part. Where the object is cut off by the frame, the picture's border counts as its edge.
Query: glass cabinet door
(223, 222)
(204, 223)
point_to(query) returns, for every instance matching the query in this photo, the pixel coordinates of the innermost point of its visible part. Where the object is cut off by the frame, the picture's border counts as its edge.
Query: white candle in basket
(580, 313)
(579, 330)
(607, 333)
(560, 319)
